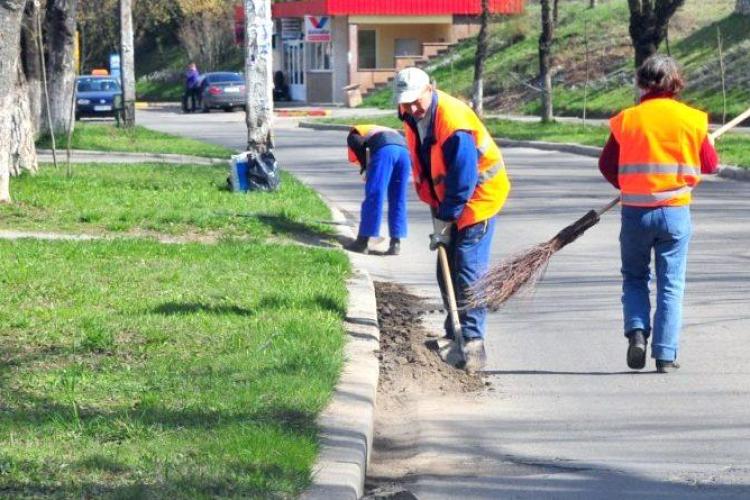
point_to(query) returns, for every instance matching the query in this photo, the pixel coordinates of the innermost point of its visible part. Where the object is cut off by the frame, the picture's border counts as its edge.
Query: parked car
(222, 89)
(96, 96)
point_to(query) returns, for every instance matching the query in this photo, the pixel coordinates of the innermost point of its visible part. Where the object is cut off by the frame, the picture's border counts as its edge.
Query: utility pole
(258, 75)
(127, 63)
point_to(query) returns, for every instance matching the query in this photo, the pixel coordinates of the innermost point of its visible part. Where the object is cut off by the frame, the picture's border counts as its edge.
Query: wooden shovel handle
(450, 292)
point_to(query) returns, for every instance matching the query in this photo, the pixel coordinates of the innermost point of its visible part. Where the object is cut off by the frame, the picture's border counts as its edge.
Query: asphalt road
(566, 419)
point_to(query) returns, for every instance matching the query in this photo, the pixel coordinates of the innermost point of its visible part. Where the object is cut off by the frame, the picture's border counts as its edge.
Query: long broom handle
(452, 306)
(714, 135)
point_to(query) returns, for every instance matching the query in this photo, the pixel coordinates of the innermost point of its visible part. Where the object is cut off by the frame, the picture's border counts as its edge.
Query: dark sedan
(222, 90)
(96, 96)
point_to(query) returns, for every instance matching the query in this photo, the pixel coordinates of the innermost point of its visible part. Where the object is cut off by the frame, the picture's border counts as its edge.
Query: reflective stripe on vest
(656, 168)
(654, 199)
(660, 141)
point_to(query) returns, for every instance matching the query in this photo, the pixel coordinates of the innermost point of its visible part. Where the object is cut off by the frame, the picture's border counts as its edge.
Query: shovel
(453, 353)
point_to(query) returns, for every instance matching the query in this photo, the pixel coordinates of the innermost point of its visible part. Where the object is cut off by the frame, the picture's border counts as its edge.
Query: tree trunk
(11, 15)
(127, 62)
(60, 22)
(545, 48)
(477, 99)
(648, 25)
(592, 4)
(743, 7)
(555, 11)
(31, 62)
(258, 75)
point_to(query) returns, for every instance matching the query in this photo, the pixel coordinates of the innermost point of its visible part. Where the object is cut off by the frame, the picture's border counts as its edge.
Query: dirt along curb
(725, 171)
(347, 423)
(84, 156)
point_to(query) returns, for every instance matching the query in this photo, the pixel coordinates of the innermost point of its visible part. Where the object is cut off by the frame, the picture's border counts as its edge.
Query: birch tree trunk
(127, 58)
(11, 15)
(31, 64)
(60, 22)
(477, 99)
(545, 50)
(258, 71)
(743, 7)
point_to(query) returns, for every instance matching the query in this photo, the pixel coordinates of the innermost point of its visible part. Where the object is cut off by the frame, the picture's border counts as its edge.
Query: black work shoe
(359, 245)
(475, 355)
(666, 366)
(636, 349)
(395, 247)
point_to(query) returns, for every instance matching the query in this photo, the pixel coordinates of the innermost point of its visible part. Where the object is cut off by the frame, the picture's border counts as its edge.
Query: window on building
(407, 47)
(319, 56)
(366, 49)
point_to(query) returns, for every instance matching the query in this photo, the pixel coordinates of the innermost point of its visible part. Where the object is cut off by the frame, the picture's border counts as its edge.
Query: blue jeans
(468, 257)
(387, 172)
(666, 231)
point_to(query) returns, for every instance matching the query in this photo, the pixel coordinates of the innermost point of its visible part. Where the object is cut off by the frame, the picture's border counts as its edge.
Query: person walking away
(655, 156)
(459, 172)
(192, 88)
(386, 173)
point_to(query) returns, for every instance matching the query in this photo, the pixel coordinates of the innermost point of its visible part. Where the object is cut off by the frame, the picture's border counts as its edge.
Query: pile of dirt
(407, 360)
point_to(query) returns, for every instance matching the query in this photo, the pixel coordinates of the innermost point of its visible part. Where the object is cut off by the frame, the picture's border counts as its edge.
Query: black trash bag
(263, 172)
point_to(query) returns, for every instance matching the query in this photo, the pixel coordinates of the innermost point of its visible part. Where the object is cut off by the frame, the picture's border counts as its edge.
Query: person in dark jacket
(655, 156)
(191, 98)
(386, 170)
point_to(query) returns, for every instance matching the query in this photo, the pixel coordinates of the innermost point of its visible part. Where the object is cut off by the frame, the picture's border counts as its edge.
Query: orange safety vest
(493, 187)
(660, 142)
(366, 131)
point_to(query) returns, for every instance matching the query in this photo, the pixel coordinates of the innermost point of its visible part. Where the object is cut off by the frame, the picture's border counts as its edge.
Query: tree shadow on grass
(183, 308)
(297, 231)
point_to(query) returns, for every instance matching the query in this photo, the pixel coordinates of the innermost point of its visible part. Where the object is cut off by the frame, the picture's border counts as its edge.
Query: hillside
(512, 66)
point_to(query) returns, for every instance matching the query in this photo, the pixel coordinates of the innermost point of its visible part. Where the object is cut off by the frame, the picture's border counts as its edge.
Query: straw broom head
(523, 271)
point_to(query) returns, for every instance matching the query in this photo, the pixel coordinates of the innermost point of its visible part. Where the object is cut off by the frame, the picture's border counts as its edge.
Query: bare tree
(60, 27)
(258, 71)
(743, 7)
(481, 55)
(127, 62)
(17, 150)
(649, 20)
(555, 11)
(545, 50)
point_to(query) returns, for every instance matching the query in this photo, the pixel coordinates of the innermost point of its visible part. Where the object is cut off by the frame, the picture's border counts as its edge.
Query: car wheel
(78, 117)
(205, 109)
(228, 109)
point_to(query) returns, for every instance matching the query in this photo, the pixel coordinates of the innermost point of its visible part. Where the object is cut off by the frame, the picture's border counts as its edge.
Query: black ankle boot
(636, 349)
(359, 245)
(395, 247)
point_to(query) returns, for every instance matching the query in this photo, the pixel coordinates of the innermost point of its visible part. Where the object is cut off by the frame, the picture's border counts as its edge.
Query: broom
(521, 272)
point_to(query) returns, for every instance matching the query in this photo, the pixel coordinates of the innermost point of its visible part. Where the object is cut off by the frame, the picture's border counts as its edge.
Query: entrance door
(294, 68)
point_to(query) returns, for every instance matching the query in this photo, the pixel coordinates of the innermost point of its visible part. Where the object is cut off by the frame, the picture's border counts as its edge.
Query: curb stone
(347, 423)
(725, 171)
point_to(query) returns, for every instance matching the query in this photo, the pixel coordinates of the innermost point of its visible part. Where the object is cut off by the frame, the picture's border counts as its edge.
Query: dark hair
(660, 73)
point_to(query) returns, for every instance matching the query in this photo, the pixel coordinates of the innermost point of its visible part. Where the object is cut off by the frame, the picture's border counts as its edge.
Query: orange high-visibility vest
(366, 131)
(493, 187)
(660, 142)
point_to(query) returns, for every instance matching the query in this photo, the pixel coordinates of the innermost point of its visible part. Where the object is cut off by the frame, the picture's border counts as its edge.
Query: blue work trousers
(387, 172)
(666, 232)
(468, 258)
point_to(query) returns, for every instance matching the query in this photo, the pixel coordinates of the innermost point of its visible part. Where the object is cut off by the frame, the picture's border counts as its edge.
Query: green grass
(513, 60)
(108, 137)
(172, 199)
(733, 149)
(149, 90)
(132, 369)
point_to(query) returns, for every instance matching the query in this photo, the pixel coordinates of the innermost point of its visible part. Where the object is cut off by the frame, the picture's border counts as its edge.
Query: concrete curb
(347, 423)
(83, 156)
(725, 171)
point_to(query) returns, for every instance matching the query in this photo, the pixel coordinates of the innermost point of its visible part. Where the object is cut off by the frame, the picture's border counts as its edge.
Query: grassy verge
(734, 149)
(131, 369)
(170, 199)
(107, 137)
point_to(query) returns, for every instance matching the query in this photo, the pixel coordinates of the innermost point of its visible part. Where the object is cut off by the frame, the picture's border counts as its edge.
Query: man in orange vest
(386, 172)
(458, 171)
(655, 156)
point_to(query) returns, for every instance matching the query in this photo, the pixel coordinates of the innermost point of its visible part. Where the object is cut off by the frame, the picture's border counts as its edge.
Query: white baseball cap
(409, 85)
